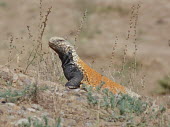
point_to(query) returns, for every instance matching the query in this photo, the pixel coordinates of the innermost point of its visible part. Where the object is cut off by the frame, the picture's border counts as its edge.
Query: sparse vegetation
(123, 108)
(3, 4)
(27, 93)
(40, 123)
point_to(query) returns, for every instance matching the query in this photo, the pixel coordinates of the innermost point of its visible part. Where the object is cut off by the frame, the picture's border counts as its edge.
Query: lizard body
(78, 72)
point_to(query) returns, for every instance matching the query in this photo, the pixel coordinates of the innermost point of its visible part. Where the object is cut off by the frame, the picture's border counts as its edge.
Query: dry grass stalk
(38, 49)
(80, 26)
(113, 52)
(10, 50)
(29, 32)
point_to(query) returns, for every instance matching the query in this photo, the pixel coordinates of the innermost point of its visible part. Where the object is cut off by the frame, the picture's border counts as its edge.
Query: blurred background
(110, 35)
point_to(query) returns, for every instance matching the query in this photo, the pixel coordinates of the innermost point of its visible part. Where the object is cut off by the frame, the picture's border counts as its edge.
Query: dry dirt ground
(27, 102)
(106, 23)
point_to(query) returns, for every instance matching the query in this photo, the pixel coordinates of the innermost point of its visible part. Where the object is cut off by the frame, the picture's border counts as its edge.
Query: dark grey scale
(72, 73)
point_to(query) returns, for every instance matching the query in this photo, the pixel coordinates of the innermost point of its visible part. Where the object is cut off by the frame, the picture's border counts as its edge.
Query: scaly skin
(78, 72)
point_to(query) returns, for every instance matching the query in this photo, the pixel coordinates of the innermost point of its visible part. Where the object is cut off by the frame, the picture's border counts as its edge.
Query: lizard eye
(60, 40)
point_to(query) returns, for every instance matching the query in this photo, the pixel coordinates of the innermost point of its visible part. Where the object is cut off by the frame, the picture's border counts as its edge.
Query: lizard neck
(69, 58)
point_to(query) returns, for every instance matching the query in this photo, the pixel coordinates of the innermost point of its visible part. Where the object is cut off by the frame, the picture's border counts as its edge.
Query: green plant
(127, 104)
(123, 102)
(3, 4)
(91, 99)
(40, 123)
(11, 96)
(122, 107)
(28, 92)
(58, 123)
(36, 52)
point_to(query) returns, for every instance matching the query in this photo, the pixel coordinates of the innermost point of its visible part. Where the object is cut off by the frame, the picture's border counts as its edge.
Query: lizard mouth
(56, 43)
(60, 45)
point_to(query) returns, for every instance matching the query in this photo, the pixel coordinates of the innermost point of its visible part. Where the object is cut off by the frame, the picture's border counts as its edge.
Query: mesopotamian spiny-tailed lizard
(78, 72)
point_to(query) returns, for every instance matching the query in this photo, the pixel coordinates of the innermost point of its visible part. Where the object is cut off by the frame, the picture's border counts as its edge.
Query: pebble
(5, 75)
(1, 112)
(88, 124)
(70, 122)
(15, 78)
(11, 104)
(19, 122)
(2, 100)
(45, 114)
(11, 117)
(81, 99)
(23, 108)
(21, 112)
(31, 109)
(35, 118)
(36, 107)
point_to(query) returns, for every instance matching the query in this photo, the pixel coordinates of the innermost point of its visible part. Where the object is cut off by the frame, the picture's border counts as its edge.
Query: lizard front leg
(73, 75)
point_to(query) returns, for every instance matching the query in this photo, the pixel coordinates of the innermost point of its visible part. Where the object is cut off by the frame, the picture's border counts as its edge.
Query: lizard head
(62, 47)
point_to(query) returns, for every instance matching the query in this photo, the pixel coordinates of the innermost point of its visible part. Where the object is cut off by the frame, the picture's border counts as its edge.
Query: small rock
(10, 104)
(23, 108)
(2, 100)
(21, 121)
(11, 111)
(24, 80)
(35, 118)
(1, 112)
(45, 114)
(81, 99)
(11, 117)
(88, 124)
(37, 107)
(31, 109)
(27, 81)
(6, 76)
(59, 94)
(70, 122)
(20, 83)
(15, 78)
(21, 112)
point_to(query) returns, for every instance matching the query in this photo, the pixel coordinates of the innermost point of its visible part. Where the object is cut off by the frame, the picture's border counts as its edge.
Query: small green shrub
(127, 104)
(29, 91)
(38, 123)
(91, 99)
(123, 102)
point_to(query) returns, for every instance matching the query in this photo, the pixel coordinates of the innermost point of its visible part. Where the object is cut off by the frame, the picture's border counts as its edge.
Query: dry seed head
(29, 32)
(80, 26)
(41, 16)
(113, 51)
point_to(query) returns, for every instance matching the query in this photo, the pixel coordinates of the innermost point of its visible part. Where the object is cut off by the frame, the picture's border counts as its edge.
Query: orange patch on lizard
(93, 78)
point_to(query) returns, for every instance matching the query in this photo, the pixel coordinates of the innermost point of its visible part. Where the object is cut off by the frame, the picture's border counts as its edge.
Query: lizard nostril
(49, 43)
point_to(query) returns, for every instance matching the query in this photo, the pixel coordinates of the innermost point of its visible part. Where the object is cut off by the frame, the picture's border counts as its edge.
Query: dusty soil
(21, 102)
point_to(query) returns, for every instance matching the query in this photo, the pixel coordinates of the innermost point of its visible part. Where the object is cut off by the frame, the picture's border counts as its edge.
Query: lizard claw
(70, 85)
